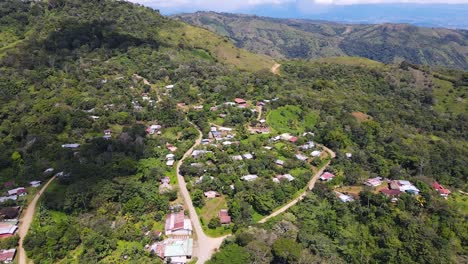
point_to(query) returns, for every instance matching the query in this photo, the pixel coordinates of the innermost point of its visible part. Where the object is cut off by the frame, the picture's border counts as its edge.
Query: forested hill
(293, 38)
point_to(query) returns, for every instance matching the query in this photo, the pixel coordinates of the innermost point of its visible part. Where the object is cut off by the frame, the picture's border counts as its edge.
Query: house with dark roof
(10, 212)
(224, 217)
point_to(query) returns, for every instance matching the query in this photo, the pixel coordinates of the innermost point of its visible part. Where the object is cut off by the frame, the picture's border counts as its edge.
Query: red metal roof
(327, 176)
(240, 101)
(224, 216)
(7, 255)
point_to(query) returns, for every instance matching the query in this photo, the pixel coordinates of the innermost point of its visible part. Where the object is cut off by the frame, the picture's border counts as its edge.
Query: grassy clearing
(291, 119)
(352, 61)
(361, 117)
(217, 47)
(448, 98)
(209, 211)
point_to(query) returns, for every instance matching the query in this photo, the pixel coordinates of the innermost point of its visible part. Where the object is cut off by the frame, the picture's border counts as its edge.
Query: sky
(437, 13)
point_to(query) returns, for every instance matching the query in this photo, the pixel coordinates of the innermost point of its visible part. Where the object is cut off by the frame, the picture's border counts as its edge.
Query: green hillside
(293, 38)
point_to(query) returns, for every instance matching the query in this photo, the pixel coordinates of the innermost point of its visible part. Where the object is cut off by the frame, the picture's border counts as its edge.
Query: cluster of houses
(178, 245)
(395, 188)
(9, 217)
(225, 134)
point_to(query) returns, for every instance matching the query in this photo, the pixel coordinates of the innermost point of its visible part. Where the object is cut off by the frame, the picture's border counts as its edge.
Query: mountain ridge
(310, 39)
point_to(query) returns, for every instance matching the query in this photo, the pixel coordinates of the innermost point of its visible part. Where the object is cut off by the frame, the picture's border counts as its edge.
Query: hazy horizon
(452, 14)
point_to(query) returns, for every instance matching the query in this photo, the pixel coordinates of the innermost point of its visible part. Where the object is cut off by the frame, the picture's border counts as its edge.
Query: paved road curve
(205, 246)
(26, 220)
(311, 185)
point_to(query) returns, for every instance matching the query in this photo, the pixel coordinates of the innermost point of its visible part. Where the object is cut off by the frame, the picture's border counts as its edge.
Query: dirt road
(204, 246)
(25, 223)
(275, 68)
(311, 186)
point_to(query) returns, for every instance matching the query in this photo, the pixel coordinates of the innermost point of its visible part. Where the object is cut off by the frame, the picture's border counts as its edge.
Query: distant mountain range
(307, 39)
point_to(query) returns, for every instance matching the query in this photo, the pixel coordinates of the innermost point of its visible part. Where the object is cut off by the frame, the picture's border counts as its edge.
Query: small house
(174, 251)
(344, 198)
(327, 176)
(301, 157)
(171, 147)
(170, 163)
(308, 145)
(107, 134)
(71, 146)
(236, 157)
(249, 177)
(279, 162)
(315, 153)
(177, 224)
(374, 182)
(224, 217)
(7, 255)
(349, 155)
(240, 102)
(20, 191)
(211, 194)
(247, 156)
(10, 212)
(441, 190)
(7, 230)
(35, 184)
(8, 198)
(287, 177)
(49, 170)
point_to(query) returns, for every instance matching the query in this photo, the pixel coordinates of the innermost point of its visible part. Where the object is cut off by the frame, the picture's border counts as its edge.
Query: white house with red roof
(176, 224)
(441, 189)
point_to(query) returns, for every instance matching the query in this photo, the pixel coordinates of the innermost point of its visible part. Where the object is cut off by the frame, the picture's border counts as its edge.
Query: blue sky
(437, 13)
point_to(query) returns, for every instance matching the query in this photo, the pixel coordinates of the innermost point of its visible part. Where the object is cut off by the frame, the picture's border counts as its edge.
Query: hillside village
(228, 162)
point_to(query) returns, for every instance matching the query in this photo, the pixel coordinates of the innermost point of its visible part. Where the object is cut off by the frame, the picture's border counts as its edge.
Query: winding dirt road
(26, 220)
(311, 186)
(204, 246)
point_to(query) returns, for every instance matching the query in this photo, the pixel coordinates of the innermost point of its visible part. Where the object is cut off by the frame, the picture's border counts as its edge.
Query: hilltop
(306, 39)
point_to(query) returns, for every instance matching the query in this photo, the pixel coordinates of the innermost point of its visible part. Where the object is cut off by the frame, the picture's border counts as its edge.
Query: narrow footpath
(204, 246)
(275, 68)
(25, 222)
(311, 186)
